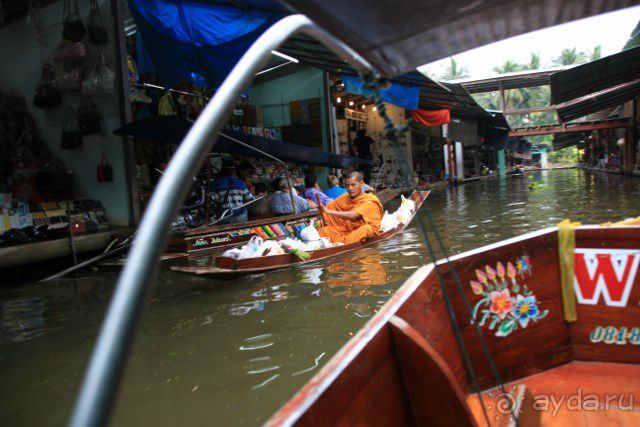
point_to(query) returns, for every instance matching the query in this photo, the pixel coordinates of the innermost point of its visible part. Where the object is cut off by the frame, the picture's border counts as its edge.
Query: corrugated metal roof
(396, 36)
(599, 101)
(595, 76)
(515, 80)
(564, 140)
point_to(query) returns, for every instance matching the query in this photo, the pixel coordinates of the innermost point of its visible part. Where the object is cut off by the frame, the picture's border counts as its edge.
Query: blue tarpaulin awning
(194, 41)
(173, 129)
(398, 94)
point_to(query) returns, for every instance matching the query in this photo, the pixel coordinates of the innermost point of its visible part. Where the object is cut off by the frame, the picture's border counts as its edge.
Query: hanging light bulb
(374, 108)
(339, 100)
(350, 103)
(363, 107)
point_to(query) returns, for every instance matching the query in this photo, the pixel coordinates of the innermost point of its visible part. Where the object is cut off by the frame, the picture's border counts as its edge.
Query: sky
(610, 31)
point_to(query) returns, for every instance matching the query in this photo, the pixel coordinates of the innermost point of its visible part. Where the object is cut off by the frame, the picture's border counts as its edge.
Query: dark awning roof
(172, 130)
(515, 80)
(397, 36)
(564, 140)
(598, 101)
(595, 76)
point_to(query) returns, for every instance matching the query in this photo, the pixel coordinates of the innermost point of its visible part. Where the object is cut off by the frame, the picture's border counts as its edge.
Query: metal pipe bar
(101, 381)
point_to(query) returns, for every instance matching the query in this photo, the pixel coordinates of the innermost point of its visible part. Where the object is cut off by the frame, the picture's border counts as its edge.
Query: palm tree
(570, 57)
(596, 53)
(455, 71)
(508, 66)
(534, 62)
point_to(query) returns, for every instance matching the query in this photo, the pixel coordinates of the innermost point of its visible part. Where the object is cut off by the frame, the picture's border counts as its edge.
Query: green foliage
(455, 71)
(571, 56)
(566, 155)
(536, 185)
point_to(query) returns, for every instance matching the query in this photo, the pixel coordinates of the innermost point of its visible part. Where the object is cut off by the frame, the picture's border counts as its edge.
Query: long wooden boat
(226, 266)
(227, 235)
(405, 367)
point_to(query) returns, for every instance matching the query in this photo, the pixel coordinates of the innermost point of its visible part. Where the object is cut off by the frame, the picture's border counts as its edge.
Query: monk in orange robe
(352, 217)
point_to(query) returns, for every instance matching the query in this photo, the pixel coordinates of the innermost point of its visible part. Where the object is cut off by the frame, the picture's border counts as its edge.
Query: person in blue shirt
(313, 191)
(281, 201)
(229, 192)
(335, 191)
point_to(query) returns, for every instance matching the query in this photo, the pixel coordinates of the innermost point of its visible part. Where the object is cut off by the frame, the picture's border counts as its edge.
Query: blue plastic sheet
(194, 41)
(398, 94)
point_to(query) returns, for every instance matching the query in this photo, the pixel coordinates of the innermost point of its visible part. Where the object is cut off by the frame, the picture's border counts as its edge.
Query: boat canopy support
(107, 363)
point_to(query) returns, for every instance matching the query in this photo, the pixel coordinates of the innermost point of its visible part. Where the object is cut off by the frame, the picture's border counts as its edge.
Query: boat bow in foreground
(405, 366)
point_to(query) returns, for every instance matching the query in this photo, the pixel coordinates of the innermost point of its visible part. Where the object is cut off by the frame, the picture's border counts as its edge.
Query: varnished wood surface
(430, 384)
(590, 316)
(571, 385)
(227, 266)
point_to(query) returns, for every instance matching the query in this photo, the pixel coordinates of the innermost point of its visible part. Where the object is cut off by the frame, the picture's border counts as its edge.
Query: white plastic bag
(389, 221)
(272, 247)
(309, 233)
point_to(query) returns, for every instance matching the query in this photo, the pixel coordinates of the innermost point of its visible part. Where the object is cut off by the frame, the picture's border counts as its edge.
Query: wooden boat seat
(577, 388)
(558, 396)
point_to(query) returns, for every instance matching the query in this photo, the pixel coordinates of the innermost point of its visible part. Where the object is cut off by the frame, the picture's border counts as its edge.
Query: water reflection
(231, 352)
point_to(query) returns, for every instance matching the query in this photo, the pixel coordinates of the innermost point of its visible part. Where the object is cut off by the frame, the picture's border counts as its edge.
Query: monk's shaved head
(357, 175)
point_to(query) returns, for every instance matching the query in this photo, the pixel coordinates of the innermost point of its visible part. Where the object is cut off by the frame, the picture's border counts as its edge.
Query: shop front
(59, 163)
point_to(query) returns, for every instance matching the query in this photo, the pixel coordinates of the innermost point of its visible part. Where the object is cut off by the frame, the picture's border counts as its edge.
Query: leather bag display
(73, 29)
(71, 135)
(47, 96)
(97, 31)
(104, 170)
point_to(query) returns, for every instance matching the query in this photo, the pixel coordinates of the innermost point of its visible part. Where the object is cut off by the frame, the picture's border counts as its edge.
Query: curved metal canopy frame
(108, 360)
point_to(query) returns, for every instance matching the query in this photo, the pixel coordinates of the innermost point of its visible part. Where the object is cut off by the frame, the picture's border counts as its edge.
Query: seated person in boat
(228, 193)
(281, 201)
(353, 216)
(261, 207)
(313, 191)
(335, 190)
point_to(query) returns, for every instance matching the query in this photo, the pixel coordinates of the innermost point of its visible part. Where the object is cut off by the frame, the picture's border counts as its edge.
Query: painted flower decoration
(501, 303)
(481, 276)
(511, 271)
(505, 307)
(500, 269)
(525, 309)
(476, 287)
(491, 273)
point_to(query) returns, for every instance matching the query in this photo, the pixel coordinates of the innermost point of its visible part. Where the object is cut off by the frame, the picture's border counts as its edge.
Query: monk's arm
(348, 215)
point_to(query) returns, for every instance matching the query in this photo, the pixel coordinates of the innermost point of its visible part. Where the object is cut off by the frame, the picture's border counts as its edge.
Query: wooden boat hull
(226, 266)
(229, 235)
(405, 366)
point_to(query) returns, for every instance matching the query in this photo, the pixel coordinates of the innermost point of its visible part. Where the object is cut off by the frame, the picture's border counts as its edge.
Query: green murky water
(231, 352)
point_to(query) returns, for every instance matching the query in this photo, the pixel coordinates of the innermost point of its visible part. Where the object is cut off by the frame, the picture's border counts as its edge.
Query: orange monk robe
(345, 231)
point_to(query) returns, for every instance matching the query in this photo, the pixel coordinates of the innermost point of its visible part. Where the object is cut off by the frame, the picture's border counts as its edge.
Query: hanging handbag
(101, 79)
(97, 31)
(68, 78)
(46, 95)
(71, 135)
(70, 52)
(73, 28)
(89, 117)
(104, 170)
